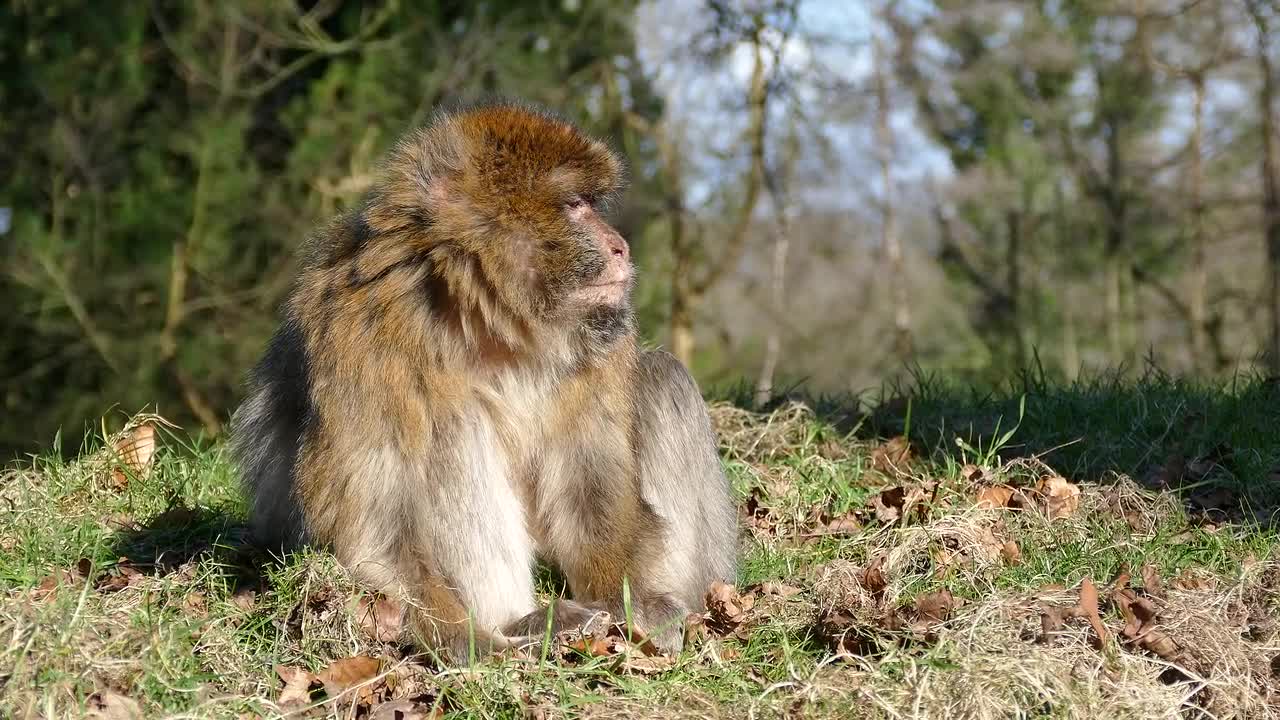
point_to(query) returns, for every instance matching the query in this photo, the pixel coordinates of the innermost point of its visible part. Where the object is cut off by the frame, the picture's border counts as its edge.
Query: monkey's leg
(683, 480)
(443, 531)
(592, 519)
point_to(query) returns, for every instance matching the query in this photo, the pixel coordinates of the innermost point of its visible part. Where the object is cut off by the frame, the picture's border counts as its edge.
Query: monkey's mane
(455, 219)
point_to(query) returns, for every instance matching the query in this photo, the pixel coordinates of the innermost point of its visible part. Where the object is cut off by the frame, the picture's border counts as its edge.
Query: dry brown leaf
(49, 585)
(935, 607)
(1062, 498)
(695, 628)
(346, 673)
(997, 496)
(1010, 552)
(1151, 580)
(297, 685)
(136, 453)
(1121, 580)
(1140, 626)
(1088, 607)
(887, 505)
(195, 603)
(971, 473)
(893, 456)
(123, 575)
(779, 589)
(757, 514)
(648, 665)
(845, 524)
(727, 609)
(244, 599)
(1052, 619)
(405, 710)
(872, 577)
(1189, 579)
(597, 645)
(379, 618)
(111, 705)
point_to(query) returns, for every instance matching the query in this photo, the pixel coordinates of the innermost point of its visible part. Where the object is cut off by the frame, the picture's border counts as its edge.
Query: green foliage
(165, 160)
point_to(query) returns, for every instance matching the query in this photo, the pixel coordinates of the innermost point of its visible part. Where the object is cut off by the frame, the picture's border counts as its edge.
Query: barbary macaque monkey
(456, 389)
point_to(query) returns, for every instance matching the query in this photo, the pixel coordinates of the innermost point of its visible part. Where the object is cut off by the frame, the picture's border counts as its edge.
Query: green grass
(199, 622)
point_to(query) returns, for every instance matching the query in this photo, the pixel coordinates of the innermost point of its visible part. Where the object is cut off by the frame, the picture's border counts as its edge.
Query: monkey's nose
(617, 246)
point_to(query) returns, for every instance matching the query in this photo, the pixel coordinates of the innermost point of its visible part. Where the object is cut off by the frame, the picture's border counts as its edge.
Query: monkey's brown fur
(456, 387)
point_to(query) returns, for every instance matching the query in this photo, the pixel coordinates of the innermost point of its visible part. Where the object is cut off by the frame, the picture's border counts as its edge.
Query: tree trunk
(1198, 290)
(1013, 270)
(687, 291)
(773, 343)
(890, 243)
(1115, 205)
(1270, 181)
(681, 329)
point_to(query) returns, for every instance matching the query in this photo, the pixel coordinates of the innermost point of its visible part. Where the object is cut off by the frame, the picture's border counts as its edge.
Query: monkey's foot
(563, 617)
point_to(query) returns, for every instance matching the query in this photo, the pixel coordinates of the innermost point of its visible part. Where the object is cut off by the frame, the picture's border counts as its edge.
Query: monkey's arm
(683, 479)
(592, 517)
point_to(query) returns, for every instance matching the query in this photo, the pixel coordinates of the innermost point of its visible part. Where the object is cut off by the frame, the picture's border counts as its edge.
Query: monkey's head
(502, 203)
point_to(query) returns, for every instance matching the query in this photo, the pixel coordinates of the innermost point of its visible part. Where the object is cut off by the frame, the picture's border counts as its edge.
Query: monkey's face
(510, 203)
(593, 269)
(594, 275)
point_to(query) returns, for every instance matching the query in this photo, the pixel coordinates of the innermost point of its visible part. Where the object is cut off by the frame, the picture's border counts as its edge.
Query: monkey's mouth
(613, 292)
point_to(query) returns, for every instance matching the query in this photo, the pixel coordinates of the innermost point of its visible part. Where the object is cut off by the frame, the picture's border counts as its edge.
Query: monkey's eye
(577, 202)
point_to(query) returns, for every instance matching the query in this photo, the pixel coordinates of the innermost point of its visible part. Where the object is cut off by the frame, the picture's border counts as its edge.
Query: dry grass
(116, 594)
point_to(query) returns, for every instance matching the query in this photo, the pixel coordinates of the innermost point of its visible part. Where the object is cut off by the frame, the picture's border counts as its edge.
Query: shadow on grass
(181, 536)
(1216, 445)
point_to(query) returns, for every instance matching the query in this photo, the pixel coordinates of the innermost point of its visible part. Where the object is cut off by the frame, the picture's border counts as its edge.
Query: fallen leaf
(346, 673)
(757, 514)
(174, 517)
(1121, 580)
(1188, 579)
(111, 705)
(49, 585)
(380, 617)
(244, 599)
(597, 646)
(1052, 618)
(997, 496)
(1062, 498)
(1151, 580)
(971, 473)
(897, 502)
(136, 453)
(892, 456)
(727, 609)
(195, 603)
(887, 505)
(1140, 626)
(1088, 607)
(1213, 499)
(648, 665)
(695, 628)
(121, 576)
(845, 524)
(935, 607)
(297, 685)
(1010, 552)
(872, 577)
(1167, 475)
(779, 589)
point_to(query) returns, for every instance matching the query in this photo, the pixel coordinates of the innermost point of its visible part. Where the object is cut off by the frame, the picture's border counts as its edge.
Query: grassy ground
(1114, 554)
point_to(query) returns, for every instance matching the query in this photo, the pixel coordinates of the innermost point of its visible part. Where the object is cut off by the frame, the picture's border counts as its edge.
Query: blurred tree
(166, 158)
